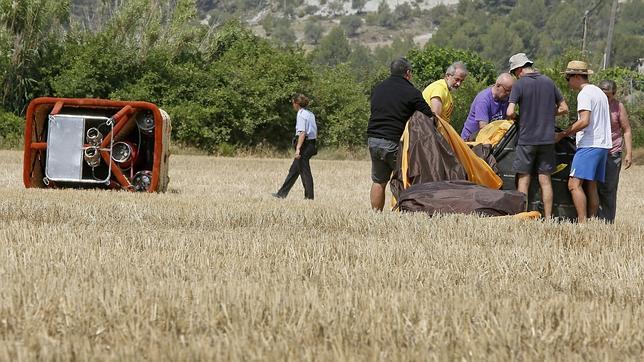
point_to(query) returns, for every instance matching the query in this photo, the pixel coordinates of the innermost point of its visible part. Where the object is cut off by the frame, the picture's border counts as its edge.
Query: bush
(341, 107)
(351, 24)
(11, 130)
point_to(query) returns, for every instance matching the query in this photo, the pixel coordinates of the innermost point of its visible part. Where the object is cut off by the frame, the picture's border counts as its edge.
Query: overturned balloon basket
(96, 143)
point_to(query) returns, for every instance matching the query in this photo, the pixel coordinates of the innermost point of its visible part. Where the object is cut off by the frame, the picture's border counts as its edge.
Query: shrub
(11, 130)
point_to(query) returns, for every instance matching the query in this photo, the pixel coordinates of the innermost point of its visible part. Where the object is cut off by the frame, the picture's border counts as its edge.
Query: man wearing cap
(539, 101)
(489, 105)
(393, 101)
(438, 94)
(594, 140)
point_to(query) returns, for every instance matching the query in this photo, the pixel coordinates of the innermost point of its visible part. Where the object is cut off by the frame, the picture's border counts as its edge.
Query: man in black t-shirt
(539, 101)
(393, 101)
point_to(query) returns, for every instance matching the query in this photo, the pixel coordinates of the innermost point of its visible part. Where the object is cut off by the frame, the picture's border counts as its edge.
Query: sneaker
(276, 195)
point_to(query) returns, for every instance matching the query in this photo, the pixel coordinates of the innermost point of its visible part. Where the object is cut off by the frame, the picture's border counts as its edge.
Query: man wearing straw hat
(540, 101)
(594, 140)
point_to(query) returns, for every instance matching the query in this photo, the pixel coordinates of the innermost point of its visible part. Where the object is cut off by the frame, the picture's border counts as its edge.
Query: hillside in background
(545, 29)
(369, 22)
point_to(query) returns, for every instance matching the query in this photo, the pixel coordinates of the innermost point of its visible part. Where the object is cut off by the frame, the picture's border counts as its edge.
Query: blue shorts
(589, 164)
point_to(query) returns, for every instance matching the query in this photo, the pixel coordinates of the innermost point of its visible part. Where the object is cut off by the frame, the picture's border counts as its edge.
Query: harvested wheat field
(217, 269)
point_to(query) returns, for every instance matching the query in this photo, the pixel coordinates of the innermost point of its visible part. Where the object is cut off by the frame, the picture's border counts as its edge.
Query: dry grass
(216, 269)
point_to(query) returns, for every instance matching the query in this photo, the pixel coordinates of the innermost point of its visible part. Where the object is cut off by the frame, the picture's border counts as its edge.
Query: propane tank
(124, 154)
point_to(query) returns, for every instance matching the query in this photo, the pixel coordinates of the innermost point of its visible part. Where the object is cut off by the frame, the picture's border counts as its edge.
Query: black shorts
(531, 158)
(383, 159)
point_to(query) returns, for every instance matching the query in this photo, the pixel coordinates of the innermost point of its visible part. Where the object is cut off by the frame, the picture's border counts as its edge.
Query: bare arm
(562, 108)
(627, 134)
(511, 111)
(436, 105)
(581, 123)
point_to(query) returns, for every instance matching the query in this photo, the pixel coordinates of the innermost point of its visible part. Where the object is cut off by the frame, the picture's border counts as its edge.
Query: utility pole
(611, 27)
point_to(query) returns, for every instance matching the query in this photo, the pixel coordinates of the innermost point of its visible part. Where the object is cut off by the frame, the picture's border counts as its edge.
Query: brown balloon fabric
(461, 197)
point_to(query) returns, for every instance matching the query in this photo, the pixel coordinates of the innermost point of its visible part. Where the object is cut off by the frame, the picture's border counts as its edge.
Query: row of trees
(222, 87)
(544, 29)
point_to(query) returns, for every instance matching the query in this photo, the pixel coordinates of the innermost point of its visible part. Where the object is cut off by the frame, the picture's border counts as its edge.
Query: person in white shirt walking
(306, 132)
(594, 140)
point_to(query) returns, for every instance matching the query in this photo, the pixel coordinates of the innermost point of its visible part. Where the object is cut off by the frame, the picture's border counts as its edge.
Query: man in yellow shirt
(438, 94)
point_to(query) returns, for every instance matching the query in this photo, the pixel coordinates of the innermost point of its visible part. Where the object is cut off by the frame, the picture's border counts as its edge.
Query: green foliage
(630, 91)
(336, 7)
(543, 29)
(341, 107)
(334, 48)
(228, 90)
(429, 64)
(403, 12)
(499, 6)
(358, 5)
(31, 32)
(283, 33)
(385, 17)
(351, 24)
(11, 129)
(362, 62)
(399, 47)
(313, 31)
(496, 42)
(631, 18)
(309, 10)
(438, 13)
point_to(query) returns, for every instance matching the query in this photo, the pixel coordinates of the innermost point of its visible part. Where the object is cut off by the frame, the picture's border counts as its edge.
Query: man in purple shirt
(489, 105)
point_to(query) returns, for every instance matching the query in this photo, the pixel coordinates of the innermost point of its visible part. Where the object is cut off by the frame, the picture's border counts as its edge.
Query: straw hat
(519, 60)
(577, 67)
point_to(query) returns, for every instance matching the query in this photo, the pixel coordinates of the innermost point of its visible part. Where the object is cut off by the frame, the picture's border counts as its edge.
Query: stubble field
(217, 269)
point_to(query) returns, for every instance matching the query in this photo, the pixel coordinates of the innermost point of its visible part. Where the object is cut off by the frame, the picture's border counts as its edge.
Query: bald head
(504, 78)
(503, 86)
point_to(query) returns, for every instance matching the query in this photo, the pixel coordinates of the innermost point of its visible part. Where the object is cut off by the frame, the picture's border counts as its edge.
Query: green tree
(334, 48)
(31, 33)
(336, 7)
(439, 13)
(351, 24)
(497, 45)
(363, 62)
(282, 32)
(403, 12)
(533, 11)
(385, 17)
(551, 41)
(358, 5)
(313, 31)
(341, 107)
(499, 6)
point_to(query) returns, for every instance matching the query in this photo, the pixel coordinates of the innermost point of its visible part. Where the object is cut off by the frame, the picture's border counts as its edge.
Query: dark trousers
(301, 167)
(607, 190)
